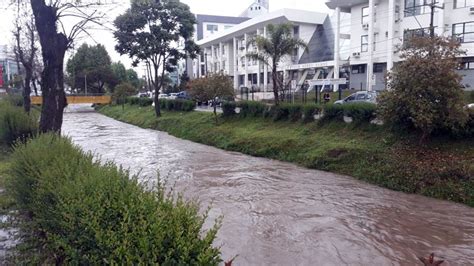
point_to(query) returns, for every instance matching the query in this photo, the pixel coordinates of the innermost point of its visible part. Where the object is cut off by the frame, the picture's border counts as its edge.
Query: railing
(78, 98)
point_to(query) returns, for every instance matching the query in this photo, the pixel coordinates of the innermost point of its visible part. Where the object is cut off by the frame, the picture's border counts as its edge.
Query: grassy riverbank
(444, 169)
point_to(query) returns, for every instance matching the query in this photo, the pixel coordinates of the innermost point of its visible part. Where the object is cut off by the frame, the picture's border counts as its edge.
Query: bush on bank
(83, 212)
(177, 105)
(359, 112)
(140, 101)
(15, 123)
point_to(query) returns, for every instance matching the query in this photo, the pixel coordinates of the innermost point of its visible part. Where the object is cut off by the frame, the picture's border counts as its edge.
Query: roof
(344, 4)
(200, 18)
(279, 16)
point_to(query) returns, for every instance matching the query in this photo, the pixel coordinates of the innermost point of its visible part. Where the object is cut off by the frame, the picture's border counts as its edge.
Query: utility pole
(433, 7)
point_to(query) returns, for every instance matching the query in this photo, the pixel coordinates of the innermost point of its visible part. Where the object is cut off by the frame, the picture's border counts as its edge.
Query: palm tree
(279, 43)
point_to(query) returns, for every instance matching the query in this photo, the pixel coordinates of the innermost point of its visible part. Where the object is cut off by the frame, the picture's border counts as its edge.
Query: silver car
(360, 96)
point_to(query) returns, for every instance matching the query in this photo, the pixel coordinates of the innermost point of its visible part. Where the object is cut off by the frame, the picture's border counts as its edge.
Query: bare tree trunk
(214, 103)
(54, 46)
(27, 91)
(275, 84)
(157, 93)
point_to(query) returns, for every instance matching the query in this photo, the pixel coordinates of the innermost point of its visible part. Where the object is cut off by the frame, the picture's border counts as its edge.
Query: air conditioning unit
(365, 26)
(471, 10)
(356, 54)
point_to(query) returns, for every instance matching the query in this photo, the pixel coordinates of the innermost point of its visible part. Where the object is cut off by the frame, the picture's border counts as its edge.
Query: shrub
(83, 212)
(16, 124)
(360, 112)
(295, 111)
(228, 109)
(426, 101)
(251, 108)
(15, 100)
(177, 105)
(309, 111)
(279, 112)
(332, 112)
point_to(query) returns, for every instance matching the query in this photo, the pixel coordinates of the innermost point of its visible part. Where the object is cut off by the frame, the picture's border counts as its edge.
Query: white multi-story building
(226, 51)
(378, 27)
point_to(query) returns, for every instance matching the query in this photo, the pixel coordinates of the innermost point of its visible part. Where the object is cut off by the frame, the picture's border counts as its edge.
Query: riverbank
(444, 169)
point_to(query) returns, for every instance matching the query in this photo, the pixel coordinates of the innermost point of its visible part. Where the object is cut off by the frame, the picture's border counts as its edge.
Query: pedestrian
(327, 97)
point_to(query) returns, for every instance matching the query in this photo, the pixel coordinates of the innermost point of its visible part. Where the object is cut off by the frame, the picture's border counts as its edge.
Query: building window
(416, 7)
(365, 15)
(212, 28)
(463, 3)
(464, 32)
(226, 27)
(358, 69)
(296, 30)
(364, 43)
(379, 67)
(422, 32)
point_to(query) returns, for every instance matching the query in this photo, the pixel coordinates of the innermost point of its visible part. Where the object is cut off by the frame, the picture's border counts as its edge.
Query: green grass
(444, 169)
(6, 201)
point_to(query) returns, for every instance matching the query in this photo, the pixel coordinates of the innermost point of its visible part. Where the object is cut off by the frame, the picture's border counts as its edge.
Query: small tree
(212, 88)
(424, 89)
(122, 91)
(271, 50)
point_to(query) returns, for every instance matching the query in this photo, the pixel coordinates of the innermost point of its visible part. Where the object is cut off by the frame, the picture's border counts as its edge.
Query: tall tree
(91, 64)
(279, 44)
(25, 48)
(149, 32)
(54, 43)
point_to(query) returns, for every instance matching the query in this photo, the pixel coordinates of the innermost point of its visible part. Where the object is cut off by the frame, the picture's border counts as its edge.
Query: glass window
(358, 69)
(351, 98)
(416, 7)
(365, 15)
(212, 28)
(463, 3)
(360, 96)
(379, 67)
(364, 43)
(464, 32)
(422, 32)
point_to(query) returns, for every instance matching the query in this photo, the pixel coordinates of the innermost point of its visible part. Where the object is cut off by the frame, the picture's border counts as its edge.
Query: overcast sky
(209, 7)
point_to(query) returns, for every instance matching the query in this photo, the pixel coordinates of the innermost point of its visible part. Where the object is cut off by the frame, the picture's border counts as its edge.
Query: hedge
(177, 105)
(360, 112)
(228, 109)
(15, 123)
(79, 211)
(251, 108)
(309, 111)
(140, 101)
(332, 112)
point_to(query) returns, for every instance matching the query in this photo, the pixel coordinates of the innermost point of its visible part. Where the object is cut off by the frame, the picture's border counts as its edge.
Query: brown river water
(277, 213)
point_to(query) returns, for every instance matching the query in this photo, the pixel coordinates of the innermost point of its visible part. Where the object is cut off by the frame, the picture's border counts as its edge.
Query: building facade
(226, 51)
(379, 27)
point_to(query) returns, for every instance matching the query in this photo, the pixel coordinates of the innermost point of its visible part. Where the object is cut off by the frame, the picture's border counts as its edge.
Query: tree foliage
(425, 91)
(91, 64)
(122, 91)
(150, 32)
(122, 74)
(270, 50)
(212, 88)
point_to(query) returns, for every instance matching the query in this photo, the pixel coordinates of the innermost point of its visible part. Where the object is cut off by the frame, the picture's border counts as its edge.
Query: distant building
(257, 8)
(8, 65)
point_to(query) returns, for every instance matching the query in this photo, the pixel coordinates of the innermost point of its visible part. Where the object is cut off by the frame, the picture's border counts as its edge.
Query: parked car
(183, 95)
(163, 96)
(360, 96)
(173, 96)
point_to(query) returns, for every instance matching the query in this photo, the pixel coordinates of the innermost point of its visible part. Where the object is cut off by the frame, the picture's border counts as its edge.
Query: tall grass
(83, 212)
(15, 124)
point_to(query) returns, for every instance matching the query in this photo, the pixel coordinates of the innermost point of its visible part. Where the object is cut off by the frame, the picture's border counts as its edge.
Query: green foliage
(332, 112)
(91, 63)
(309, 111)
(82, 212)
(177, 105)
(360, 112)
(251, 108)
(14, 100)
(228, 109)
(16, 124)
(140, 101)
(295, 111)
(122, 92)
(425, 101)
